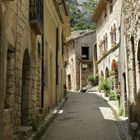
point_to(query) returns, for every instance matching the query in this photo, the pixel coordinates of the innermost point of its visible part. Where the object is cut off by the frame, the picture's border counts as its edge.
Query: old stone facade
(23, 72)
(107, 16)
(131, 41)
(21, 68)
(79, 59)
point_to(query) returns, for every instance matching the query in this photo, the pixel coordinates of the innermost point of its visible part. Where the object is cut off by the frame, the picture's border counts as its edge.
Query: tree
(81, 15)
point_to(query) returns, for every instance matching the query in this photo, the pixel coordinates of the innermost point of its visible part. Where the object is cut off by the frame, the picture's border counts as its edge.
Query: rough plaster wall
(105, 27)
(53, 22)
(106, 24)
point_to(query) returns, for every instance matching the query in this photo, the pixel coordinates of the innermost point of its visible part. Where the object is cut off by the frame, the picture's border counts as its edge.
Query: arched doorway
(106, 73)
(114, 73)
(114, 65)
(102, 74)
(25, 93)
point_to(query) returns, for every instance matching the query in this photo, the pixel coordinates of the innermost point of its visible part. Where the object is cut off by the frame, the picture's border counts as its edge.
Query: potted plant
(91, 80)
(105, 85)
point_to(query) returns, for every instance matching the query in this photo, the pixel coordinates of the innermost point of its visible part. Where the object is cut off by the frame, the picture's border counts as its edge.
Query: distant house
(79, 58)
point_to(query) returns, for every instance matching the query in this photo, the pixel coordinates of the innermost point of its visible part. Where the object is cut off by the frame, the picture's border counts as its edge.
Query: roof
(78, 34)
(99, 9)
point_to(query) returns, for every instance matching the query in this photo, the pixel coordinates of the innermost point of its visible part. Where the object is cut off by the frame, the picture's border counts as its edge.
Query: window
(105, 13)
(95, 52)
(39, 49)
(85, 53)
(101, 46)
(113, 34)
(102, 74)
(106, 73)
(114, 65)
(106, 42)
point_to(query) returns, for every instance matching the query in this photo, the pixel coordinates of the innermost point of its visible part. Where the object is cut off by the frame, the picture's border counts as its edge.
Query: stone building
(24, 42)
(131, 45)
(107, 16)
(21, 45)
(79, 59)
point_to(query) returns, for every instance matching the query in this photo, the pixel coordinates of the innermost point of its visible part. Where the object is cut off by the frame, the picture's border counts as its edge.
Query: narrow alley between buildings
(57, 50)
(84, 117)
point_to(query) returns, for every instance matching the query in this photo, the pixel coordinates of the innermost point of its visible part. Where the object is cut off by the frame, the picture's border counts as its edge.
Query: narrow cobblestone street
(84, 117)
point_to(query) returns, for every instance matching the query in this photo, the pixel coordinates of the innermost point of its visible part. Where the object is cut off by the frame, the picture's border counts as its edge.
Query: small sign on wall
(84, 66)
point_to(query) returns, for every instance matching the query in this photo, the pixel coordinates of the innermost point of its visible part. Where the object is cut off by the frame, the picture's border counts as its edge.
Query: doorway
(25, 93)
(69, 82)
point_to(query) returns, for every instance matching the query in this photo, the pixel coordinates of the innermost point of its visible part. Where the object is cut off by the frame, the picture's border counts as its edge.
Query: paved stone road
(85, 117)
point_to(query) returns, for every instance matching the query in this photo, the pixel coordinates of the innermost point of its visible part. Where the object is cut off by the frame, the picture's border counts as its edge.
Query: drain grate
(66, 119)
(72, 112)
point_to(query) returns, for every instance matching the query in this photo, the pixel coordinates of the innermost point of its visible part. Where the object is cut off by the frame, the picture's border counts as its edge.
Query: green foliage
(113, 95)
(91, 78)
(121, 111)
(81, 20)
(90, 5)
(33, 122)
(105, 85)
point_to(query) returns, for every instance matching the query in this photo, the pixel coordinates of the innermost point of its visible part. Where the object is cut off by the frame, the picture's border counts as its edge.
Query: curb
(124, 135)
(115, 113)
(48, 120)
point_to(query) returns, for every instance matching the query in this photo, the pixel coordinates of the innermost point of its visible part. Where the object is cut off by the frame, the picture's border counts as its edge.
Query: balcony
(36, 16)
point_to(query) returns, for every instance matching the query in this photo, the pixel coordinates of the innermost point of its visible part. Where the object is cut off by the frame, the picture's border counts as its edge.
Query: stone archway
(106, 73)
(102, 74)
(114, 65)
(25, 93)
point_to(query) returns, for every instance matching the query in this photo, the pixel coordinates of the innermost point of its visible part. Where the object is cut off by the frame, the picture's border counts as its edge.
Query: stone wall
(28, 74)
(131, 14)
(71, 65)
(19, 39)
(74, 65)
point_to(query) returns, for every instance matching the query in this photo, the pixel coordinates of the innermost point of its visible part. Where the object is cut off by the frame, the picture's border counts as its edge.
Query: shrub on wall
(113, 95)
(91, 78)
(105, 85)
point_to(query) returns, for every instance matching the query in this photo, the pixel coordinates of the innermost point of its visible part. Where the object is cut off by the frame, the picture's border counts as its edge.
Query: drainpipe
(42, 65)
(42, 74)
(2, 73)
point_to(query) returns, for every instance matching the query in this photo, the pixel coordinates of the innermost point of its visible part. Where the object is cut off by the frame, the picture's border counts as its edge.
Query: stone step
(25, 132)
